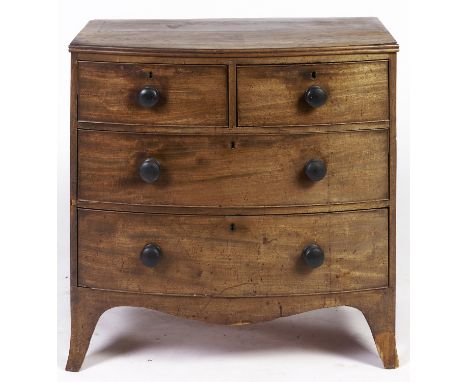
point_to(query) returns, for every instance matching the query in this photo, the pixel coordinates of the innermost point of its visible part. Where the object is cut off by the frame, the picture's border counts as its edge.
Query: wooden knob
(315, 96)
(150, 170)
(315, 169)
(148, 96)
(313, 255)
(150, 255)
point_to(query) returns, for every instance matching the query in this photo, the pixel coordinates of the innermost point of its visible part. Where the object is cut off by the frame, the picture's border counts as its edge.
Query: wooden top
(235, 36)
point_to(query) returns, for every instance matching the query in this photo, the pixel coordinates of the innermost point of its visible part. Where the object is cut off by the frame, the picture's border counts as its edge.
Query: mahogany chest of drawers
(233, 171)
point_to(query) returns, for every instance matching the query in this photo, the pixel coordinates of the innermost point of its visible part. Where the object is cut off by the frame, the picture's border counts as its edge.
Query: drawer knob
(150, 170)
(315, 96)
(150, 255)
(313, 255)
(148, 96)
(315, 169)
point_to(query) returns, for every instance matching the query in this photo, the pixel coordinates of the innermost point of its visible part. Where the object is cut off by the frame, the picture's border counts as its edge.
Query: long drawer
(232, 171)
(233, 255)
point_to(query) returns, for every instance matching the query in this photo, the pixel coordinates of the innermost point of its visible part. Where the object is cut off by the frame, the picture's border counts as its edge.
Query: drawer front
(233, 255)
(236, 171)
(191, 95)
(273, 95)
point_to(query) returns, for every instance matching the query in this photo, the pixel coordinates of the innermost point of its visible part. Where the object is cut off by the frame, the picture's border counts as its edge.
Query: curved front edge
(88, 305)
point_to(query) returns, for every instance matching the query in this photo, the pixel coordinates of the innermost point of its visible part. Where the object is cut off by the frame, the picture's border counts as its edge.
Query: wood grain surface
(233, 255)
(89, 304)
(245, 59)
(222, 211)
(239, 36)
(242, 171)
(213, 130)
(273, 95)
(191, 95)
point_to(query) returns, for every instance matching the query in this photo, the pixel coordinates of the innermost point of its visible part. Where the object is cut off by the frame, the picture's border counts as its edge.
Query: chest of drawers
(233, 171)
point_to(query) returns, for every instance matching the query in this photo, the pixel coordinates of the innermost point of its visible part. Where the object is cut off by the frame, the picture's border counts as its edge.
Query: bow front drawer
(233, 255)
(295, 95)
(233, 171)
(163, 95)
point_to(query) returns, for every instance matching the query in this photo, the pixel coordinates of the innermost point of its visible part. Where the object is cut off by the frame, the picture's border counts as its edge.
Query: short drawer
(233, 255)
(188, 95)
(274, 95)
(232, 171)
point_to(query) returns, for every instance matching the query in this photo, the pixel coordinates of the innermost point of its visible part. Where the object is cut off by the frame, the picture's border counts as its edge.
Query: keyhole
(313, 75)
(233, 145)
(233, 227)
(150, 74)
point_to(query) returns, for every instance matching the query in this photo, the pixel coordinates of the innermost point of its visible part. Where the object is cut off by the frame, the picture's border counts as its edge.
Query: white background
(332, 344)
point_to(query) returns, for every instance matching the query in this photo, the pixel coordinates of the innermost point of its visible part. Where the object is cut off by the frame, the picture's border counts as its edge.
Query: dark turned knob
(315, 96)
(150, 170)
(150, 255)
(315, 169)
(148, 96)
(313, 255)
